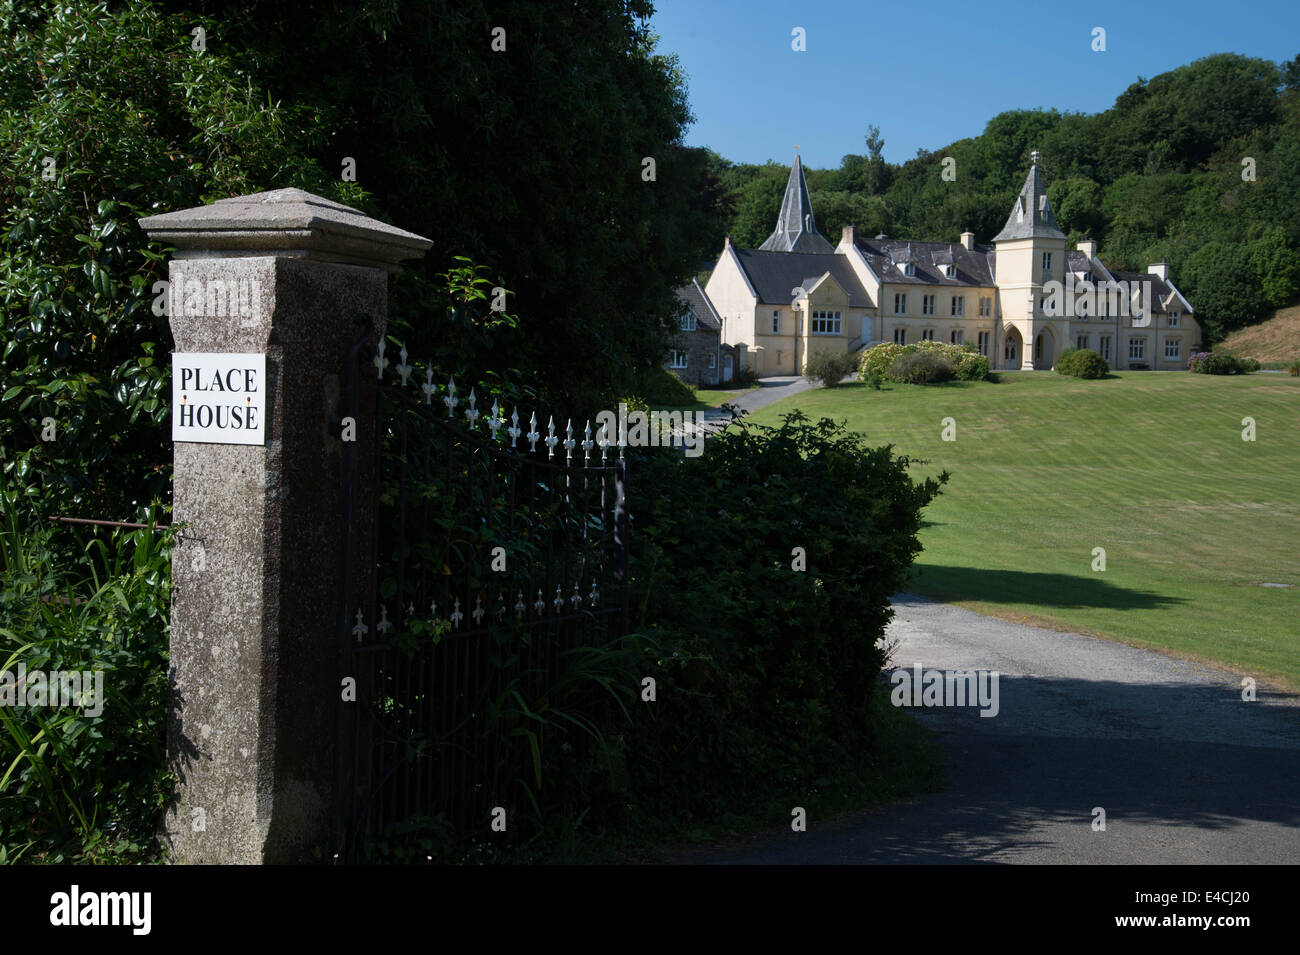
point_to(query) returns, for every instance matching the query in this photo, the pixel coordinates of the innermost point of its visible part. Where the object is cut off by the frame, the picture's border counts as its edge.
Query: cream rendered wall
(777, 355)
(942, 321)
(871, 329)
(827, 295)
(1020, 279)
(734, 300)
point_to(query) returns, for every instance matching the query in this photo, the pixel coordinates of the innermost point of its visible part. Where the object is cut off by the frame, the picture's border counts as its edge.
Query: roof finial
(1033, 154)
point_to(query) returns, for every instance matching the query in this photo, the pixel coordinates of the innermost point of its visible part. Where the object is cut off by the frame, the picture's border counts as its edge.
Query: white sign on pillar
(219, 398)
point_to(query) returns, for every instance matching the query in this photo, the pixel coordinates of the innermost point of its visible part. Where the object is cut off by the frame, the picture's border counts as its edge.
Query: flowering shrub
(1221, 363)
(967, 363)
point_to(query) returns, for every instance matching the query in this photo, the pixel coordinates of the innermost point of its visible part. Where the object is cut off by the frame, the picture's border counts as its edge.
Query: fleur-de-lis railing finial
(403, 369)
(551, 439)
(520, 606)
(533, 433)
(456, 616)
(587, 444)
(514, 430)
(451, 401)
(501, 607)
(576, 599)
(539, 605)
(602, 439)
(360, 630)
(472, 412)
(384, 625)
(380, 361)
(558, 601)
(569, 443)
(428, 387)
(478, 611)
(495, 421)
(594, 596)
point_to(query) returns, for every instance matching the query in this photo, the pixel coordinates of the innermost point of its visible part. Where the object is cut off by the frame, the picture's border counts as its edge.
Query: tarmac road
(1185, 770)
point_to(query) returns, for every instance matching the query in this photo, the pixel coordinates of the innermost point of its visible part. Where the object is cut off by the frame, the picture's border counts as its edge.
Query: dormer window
(909, 268)
(949, 270)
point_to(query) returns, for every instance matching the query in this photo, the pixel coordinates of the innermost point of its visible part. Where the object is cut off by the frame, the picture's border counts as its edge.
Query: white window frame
(900, 336)
(776, 322)
(958, 306)
(1138, 345)
(1173, 319)
(984, 338)
(986, 307)
(1081, 342)
(1047, 261)
(1173, 348)
(679, 359)
(900, 303)
(1103, 346)
(831, 321)
(956, 336)
(927, 304)
(689, 322)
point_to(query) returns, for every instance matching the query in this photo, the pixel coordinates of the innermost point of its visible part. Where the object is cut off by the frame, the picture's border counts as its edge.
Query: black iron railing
(493, 548)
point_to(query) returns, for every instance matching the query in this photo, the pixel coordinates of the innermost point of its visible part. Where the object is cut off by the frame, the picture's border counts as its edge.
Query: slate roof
(774, 274)
(796, 229)
(705, 314)
(1160, 289)
(1031, 217)
(974, 267)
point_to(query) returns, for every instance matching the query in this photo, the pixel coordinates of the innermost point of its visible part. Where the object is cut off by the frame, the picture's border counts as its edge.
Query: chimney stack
(1088, 247)
(968, 240)
(1159, 269)
(847, 236)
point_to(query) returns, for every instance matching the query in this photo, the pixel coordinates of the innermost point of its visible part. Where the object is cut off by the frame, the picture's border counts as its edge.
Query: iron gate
(495, 546)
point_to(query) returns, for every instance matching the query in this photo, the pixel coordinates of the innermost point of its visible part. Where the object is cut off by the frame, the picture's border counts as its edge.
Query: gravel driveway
(1185, 770)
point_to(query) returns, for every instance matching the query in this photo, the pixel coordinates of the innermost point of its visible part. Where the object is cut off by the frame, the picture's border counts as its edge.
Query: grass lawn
(1150, 466)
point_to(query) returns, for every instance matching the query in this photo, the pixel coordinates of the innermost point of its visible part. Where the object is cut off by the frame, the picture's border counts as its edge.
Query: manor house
(1021, 299)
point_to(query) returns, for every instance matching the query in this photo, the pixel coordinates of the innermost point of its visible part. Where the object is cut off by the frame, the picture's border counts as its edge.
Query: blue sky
(754, 98)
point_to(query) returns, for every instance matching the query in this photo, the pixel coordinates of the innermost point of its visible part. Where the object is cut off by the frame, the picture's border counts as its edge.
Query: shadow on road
(944, 582)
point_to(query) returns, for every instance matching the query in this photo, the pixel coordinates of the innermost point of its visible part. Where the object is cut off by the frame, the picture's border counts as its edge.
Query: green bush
(753, 653)
(966, 361)
(1082, 363)
(829, 368)
(921, 368)
(78, 787)
(660, 388)
(1294, 369)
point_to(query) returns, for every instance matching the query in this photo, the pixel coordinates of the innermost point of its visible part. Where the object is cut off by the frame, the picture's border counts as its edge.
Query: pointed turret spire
(796, 229)
(1032, 216)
